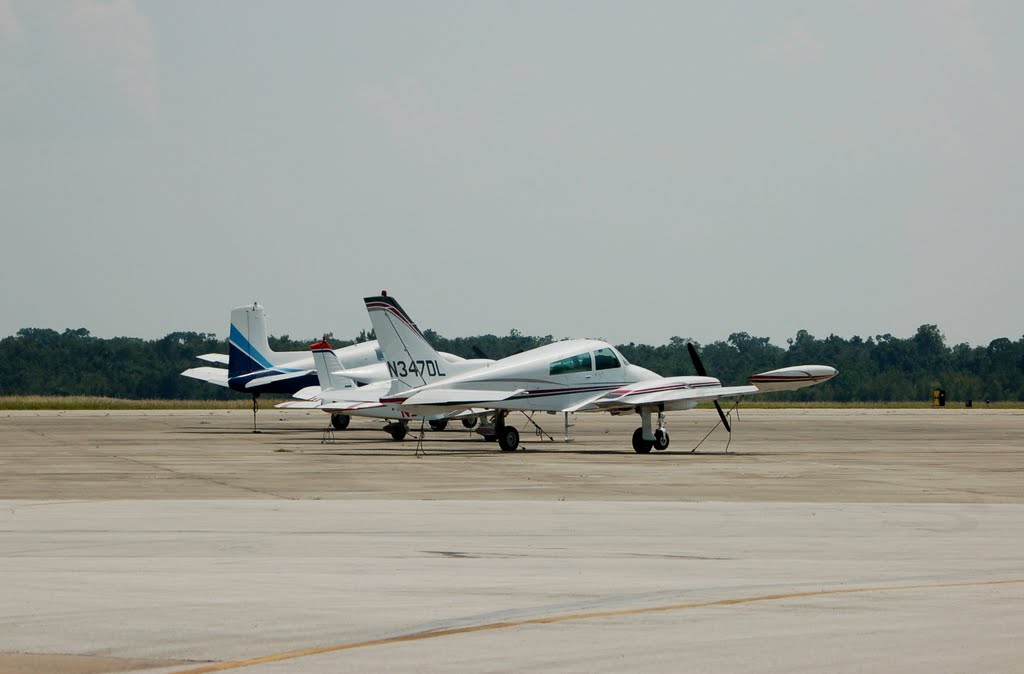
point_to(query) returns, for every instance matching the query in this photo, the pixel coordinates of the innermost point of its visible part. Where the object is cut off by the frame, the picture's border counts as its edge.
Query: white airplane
(346, 392)
(579, 375)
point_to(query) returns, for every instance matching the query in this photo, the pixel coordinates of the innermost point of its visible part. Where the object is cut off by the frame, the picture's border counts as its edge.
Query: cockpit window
(604, 359)
(578, 363)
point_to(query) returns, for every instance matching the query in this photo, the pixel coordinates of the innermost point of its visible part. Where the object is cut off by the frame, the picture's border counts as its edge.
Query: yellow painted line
(453, 631)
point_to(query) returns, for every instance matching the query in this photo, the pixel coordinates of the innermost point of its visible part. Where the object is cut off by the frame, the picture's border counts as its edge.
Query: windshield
(577, 363)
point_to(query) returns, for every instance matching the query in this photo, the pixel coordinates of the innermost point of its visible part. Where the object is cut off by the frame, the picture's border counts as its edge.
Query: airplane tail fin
(412, 361)
(248, 349)
(328, 368)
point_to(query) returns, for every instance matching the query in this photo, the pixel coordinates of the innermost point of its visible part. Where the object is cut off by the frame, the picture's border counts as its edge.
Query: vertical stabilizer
(411, 360)
(328, 368)
(248, 349)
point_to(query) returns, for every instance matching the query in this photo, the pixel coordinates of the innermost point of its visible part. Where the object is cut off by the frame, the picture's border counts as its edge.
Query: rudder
(328, 368)
(248, 348)
(411, 360)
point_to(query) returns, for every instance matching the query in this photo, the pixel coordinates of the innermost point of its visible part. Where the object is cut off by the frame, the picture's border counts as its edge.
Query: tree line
(38, 361)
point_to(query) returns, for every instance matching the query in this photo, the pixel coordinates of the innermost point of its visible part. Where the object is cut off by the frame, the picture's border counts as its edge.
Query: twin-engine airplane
(579, 375)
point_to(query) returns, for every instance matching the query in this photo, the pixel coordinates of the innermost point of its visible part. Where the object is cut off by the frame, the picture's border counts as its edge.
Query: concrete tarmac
(845, 541)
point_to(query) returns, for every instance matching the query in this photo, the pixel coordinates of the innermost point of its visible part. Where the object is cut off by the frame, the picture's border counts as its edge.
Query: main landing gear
(507, 437)
(644, 438)
(397, 429)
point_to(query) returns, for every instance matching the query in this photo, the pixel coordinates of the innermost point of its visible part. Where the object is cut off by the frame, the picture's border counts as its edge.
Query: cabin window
(379, 354)
(578, 363)
(604, 359)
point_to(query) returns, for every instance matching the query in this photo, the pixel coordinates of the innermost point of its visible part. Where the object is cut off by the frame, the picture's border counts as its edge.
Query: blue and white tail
(412, 361)
(248, 349)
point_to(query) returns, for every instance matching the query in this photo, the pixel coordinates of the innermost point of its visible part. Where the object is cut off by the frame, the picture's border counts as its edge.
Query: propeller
(701, 372)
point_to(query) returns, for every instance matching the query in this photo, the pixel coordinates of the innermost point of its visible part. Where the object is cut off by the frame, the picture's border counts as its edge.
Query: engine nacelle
(792, 378)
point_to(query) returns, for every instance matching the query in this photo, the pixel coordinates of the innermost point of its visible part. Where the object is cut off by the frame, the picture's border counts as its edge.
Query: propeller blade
(701, 372)
(697, 365)
(725, 419)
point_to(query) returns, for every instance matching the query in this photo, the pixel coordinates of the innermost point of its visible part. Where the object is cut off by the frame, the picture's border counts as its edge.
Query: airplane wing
(641, 398)
(211, 375)
(471, 412)
(673, 392)
(348, 405)
(451, 397)
(219, 358)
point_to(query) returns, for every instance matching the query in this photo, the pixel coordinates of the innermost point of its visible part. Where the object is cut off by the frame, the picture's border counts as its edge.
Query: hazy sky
(629, 170)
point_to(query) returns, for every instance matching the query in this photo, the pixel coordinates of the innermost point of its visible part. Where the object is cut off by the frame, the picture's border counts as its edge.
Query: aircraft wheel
(641, 446)
(340, 421)
(438, 424)
(660, 440)
(470, 422)
(399, 433)
(508, 439)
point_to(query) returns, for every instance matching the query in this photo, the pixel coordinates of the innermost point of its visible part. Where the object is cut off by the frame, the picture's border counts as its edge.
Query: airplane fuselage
(551, 378)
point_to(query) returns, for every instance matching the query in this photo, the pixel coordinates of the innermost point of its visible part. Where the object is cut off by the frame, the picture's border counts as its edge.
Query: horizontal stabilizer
(211, 375)
(308, 393)
(367, 374)
(299, 404)
(273, 378)
(219, 358)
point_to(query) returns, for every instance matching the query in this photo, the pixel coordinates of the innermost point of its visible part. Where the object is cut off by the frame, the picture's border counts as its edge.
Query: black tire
(340, 421)
(438, 424)
(660, 440)
(399, 433)
(641, 446)
(470, 422)
(508, 438)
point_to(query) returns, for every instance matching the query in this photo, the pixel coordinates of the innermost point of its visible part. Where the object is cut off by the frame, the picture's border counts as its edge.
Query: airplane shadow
(370, 442)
